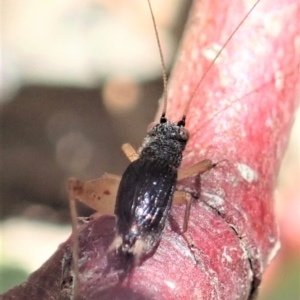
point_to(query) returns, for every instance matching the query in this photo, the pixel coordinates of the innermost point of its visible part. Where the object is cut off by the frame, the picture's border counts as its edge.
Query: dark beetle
(147, 187)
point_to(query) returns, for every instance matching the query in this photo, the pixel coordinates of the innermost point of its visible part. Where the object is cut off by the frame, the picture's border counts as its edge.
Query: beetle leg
(99, 194)
(75, 243)
(181, 197)
(199, 168)
(130, 152)
(186, 197)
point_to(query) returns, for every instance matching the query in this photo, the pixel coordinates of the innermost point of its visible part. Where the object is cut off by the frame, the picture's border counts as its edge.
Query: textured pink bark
(243, 113)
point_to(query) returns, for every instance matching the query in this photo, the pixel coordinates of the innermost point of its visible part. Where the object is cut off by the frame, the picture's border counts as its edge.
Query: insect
(146, 190)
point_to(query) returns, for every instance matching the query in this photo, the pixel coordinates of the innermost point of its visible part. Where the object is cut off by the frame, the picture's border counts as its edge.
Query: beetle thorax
(165, 141)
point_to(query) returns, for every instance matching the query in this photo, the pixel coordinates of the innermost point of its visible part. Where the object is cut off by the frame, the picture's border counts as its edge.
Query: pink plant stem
(243, 112)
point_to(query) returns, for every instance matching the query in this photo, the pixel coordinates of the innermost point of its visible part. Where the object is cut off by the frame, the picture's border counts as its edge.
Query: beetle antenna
(164, 73)
(213, 62)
